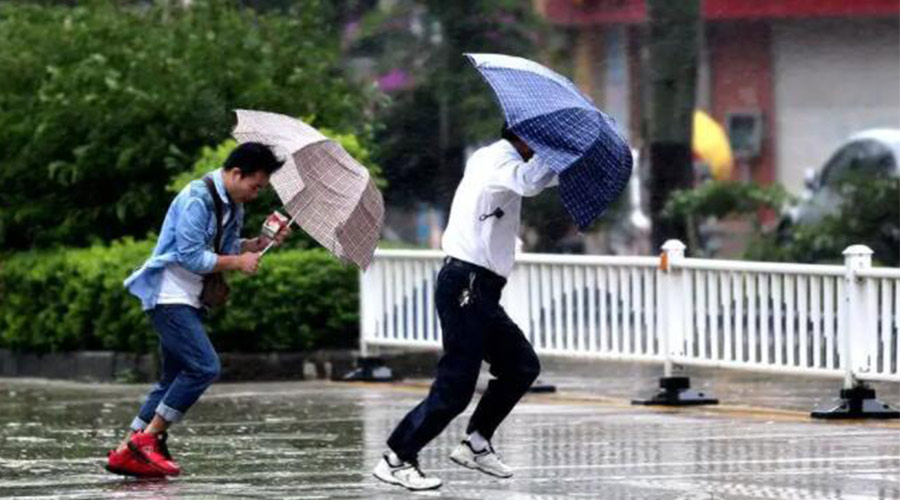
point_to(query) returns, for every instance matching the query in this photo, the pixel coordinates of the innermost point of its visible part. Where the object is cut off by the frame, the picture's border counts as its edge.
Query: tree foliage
(103, 103)
(446, 106)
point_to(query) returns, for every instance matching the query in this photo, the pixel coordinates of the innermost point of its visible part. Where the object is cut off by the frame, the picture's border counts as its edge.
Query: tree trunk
(671, 75)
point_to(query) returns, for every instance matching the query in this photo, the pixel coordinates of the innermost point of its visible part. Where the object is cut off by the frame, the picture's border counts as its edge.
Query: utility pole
(671, 80)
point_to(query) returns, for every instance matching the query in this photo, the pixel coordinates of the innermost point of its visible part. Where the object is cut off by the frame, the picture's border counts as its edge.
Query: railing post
(857, 348)
(674, 391)
(674, 302)
(366, 316)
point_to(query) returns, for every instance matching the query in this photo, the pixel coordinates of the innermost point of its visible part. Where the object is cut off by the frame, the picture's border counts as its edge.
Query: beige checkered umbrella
(329, 194)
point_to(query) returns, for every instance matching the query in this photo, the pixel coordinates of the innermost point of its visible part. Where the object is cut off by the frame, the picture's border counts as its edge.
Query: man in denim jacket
(169, 284)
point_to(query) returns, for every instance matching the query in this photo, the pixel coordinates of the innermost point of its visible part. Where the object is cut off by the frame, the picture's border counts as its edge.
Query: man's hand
(283, 234)
(248, 262)
(280, 237)
(257, 244)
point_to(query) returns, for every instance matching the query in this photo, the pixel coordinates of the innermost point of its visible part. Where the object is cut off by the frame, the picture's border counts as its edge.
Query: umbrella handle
(267, 248)
(271, 243)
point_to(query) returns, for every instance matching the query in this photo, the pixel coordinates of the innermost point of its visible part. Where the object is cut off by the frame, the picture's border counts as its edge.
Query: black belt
(485, 275)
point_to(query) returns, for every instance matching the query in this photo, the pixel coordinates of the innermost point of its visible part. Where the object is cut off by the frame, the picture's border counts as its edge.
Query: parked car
(874, 153)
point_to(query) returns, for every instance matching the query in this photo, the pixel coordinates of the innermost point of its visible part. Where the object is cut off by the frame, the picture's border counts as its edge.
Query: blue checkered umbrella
(564, 128)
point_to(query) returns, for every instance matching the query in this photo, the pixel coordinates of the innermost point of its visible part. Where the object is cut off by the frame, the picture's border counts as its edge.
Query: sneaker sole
(468, 465)
(395, 482)
(143, 458)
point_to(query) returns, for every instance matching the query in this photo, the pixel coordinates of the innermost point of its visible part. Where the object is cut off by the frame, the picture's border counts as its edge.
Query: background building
(803, 74)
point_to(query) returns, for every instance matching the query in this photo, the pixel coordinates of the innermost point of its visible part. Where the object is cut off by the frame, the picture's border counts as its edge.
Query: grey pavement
(321, 439)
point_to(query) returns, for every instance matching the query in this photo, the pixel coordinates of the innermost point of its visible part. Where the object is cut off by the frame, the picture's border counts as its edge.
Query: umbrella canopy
(331, 196)
(710, 145)
(564, 128)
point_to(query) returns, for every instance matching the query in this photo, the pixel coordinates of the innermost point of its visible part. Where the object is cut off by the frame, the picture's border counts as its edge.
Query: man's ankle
(156, 426)
(477, 442)
(393, 460)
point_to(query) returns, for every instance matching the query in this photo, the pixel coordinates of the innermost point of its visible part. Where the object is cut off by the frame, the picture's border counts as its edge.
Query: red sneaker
(125, 463)
(147, 449)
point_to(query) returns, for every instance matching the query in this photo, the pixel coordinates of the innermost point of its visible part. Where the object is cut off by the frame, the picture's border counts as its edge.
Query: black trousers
(475, 328)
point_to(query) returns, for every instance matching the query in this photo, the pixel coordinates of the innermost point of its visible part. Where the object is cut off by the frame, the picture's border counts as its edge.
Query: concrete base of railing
(858, 402)
(676, 391)
(540, 387)
(369, 369)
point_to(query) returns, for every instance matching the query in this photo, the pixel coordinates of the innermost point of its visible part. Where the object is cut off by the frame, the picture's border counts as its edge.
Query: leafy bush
(869, 214)
(722, 198)
(299, 300)
(101, 104)
(719, 199)
(74, 299)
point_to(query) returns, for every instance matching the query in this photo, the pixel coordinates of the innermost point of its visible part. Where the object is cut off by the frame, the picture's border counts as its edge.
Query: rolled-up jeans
(189, 363)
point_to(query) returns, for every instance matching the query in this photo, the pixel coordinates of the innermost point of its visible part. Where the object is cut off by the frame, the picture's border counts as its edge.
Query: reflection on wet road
(320, 440)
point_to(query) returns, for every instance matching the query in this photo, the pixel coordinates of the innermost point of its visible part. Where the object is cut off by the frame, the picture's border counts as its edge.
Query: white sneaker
(407, 474)
(486, 460)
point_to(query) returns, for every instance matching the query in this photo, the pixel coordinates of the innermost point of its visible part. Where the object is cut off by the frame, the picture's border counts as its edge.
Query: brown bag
(215, 291)
(215, 288)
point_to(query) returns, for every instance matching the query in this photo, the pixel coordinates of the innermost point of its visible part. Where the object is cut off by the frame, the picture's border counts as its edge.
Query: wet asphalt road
(321, 439)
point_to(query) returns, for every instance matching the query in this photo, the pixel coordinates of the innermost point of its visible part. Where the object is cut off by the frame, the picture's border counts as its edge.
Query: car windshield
(864, 158)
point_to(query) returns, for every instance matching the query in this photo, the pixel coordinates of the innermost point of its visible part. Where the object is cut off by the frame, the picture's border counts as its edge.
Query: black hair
(252, 157)
(506, 133)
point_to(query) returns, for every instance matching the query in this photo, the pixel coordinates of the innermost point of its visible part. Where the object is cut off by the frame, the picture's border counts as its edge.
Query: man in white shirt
(480, 243)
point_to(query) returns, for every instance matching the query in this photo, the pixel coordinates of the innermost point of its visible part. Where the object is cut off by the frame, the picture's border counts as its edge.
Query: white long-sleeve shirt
(496, 177)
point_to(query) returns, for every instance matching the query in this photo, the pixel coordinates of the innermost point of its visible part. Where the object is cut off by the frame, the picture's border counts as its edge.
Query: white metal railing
(833, 321)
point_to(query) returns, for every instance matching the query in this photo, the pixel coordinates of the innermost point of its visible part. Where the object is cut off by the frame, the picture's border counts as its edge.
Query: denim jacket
(187, 238)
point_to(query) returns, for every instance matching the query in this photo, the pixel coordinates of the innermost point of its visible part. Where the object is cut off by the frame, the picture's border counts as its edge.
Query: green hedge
(74, 299)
